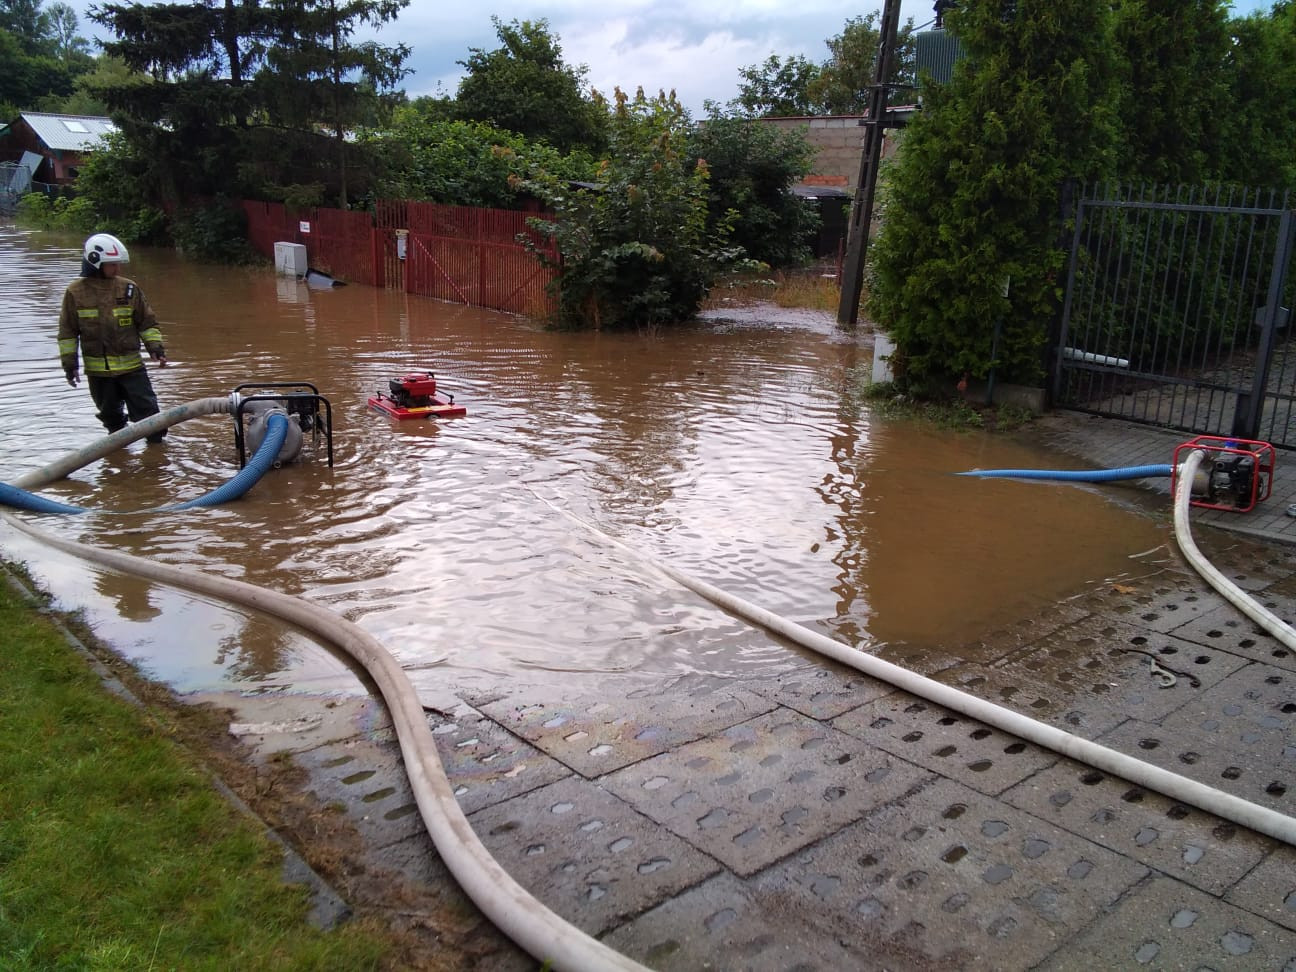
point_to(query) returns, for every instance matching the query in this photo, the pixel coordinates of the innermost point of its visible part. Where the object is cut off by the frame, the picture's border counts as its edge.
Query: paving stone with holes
(1161, 602)
(1150, 828)
(1089, 678)
(758, 791)
(718, 925)
(1165, 924)
(928, 660)
(1270, 890)
(954, 876)
(594, 736)
(485, 764)
(1228, 629)
(587, 855)
(923, 659)
(1245, 563)
(1238, 738)
(820, 692)
(367, 780)
(944, 742)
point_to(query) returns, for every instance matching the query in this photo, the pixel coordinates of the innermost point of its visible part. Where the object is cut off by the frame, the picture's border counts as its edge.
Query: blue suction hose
(1077, 475)
(248, 476)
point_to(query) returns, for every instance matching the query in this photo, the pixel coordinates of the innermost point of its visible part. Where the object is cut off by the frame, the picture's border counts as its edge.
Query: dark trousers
(117, 396)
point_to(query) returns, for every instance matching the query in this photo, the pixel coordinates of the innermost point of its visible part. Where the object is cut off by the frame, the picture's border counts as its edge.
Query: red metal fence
(456, 253)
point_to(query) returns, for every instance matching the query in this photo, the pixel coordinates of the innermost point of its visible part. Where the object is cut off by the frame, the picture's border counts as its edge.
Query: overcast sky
(695, 48)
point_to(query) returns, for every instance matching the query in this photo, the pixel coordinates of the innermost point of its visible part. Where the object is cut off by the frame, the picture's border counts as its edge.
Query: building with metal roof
(61, 141)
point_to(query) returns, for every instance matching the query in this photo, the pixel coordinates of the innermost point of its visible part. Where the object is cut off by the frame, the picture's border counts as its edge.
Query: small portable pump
(415, 396)
(1235, 475)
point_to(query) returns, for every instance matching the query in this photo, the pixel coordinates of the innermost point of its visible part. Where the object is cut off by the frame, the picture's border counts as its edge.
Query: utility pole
(874, 131)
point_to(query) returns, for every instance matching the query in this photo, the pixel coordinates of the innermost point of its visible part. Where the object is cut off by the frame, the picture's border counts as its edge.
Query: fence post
(1246, 415)
(379, 257)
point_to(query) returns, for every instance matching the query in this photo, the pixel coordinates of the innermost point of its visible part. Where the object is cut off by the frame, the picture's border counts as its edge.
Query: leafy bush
(57, 212)
(216, 232)
(753, 167)
(461, 163)
(639, 250)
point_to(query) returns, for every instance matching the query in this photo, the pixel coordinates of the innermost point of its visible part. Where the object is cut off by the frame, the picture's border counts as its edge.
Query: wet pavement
(820, 819)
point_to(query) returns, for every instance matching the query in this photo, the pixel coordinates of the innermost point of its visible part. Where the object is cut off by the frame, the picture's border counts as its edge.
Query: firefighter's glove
(73, 379)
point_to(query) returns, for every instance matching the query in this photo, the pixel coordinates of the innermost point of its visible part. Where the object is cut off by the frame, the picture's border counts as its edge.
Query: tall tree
(210, 49)
(843, 81)
(63, 26)
(1260, 124)
(316, 68)
(1174, 97)
(41, 53)
(777, 88)
(524, 86)
(27, 22)
(973, 193)
(231, 95)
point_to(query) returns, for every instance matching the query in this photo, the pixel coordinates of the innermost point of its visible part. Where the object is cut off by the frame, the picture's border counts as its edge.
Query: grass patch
(815, 288)
(886, 400)
(115, 850)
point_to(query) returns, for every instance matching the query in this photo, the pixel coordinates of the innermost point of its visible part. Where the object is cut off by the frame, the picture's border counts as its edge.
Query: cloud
(696, 49)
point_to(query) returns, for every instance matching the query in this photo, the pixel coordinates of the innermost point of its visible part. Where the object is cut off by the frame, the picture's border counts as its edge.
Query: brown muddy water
(737, 450)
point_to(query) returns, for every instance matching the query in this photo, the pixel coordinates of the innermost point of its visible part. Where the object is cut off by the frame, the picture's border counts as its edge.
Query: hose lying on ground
(1181, 788)
(1239, 598)
(245, 479)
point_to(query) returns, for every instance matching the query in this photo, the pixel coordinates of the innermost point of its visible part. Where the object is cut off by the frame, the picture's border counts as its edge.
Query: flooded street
(739, 452)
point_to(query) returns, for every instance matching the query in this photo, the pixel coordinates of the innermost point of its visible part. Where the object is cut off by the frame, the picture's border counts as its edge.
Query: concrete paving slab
(719, 925)
(1144, 826)
(956, 877)
(593, 736)
(1160, 602)
(367, 781)
(588, 855)
(1166, 924)
(761, 790)
(1270, 889)
(486, 764)
(1238, 738)
(821, 692)
(1092, 676)
(945, 742)
(1250, 567)
(1109, 665)
(930, 659)
(1230, 630)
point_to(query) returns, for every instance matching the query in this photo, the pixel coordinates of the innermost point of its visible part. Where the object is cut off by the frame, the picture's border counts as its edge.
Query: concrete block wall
(839, 142)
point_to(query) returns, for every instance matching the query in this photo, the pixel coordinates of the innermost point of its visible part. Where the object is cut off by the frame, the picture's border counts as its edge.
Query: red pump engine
(415, 396)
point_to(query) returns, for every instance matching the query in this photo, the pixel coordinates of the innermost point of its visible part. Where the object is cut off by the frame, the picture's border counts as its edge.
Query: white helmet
(103, 248)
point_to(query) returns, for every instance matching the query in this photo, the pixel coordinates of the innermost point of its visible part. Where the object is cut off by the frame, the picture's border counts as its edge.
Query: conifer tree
(973, 196)
(1173, 96)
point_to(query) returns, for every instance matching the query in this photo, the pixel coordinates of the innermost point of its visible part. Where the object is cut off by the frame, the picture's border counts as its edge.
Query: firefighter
(107, 315)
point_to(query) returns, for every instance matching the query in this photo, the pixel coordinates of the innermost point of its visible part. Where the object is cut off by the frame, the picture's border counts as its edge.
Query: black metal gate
(1174, 311)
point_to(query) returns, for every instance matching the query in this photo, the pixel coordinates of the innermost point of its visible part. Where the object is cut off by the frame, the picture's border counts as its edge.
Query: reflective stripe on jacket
(107, 318)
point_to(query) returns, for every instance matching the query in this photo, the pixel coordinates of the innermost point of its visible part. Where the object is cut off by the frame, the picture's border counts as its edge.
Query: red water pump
(415, 396)
(1234, 475)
